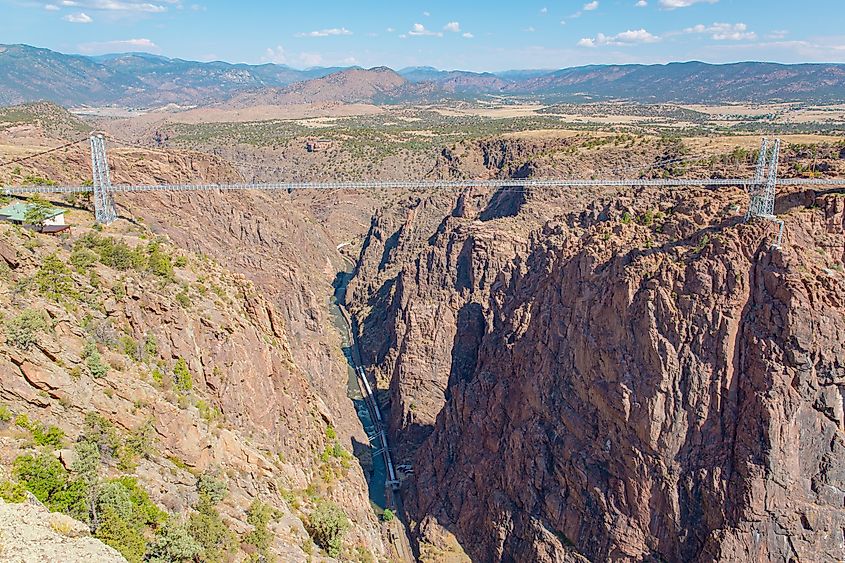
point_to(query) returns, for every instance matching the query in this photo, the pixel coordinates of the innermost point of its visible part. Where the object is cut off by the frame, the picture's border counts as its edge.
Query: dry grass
(270, 112)
(751, 141)
(61, 526)
(497, 112)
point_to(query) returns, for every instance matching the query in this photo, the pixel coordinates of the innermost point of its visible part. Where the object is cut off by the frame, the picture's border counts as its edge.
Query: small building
(54, 221)
(318, 145)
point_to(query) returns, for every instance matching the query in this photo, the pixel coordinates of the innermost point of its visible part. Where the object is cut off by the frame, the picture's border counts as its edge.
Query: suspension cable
(36, 155)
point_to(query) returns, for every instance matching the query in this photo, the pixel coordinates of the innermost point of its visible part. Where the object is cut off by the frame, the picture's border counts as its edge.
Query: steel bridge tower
(764, 188)
(104, 209)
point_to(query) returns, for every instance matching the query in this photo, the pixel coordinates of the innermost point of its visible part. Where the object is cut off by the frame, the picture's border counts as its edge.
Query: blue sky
(492, 35)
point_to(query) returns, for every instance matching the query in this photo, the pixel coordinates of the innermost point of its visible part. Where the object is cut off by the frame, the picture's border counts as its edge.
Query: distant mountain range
(144, 80)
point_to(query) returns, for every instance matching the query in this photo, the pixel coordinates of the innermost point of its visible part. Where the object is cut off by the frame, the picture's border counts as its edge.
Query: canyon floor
(565, 375)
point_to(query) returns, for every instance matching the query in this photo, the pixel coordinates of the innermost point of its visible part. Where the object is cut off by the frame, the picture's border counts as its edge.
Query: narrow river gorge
(373, 465)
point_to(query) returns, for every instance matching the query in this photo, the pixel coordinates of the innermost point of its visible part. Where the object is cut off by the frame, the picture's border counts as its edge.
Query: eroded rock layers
(647, 379)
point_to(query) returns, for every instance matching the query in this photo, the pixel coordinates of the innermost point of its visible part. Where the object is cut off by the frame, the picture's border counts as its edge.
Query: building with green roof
(16, 213)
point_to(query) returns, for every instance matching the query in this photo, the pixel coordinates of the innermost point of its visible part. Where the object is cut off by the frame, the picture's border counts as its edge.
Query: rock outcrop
(29, 533)
(644, 393)
(611, 374)
(244, 405)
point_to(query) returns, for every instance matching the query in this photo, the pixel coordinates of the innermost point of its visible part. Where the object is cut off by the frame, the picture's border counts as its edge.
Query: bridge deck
(426, 185)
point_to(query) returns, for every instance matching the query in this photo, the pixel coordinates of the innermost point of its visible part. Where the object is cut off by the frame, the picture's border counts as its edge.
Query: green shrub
(43, 475)
(338, 451)
(119, 289)
(94, 361)
(22, 330)
(5, 414)
(183, 299)
(53, 280)
(141, 442)
(42, 435)
(117, 532)
(388, 515)
(125, 513)
(206, 526)
(209, 413)
(100, 431)
(82, 259)
(33, 180)
(115, 254)
(131, 348)
(150, 346)
(702, 243)
(159, 262)
(327, 524)
(331, 433)
(182, 376)
(47, 435)
(130, 501)
(258, 516)
(210, 485)
(646, 219)
(173, 543)
(86, 468)
(626, 218)
(12, 492)
(22, 420)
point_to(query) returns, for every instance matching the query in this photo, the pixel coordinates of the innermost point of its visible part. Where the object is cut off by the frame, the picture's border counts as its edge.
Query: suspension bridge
(762, 187)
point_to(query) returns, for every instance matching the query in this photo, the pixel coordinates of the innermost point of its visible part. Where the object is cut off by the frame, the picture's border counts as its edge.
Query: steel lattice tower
(104, 210)
(764, 188)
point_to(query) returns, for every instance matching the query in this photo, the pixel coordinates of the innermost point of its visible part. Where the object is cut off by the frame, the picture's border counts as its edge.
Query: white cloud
(426, 14)
(624, 39)
(673, 4)
(278, 55)
(419, 30)
(119, 46)
(724, 31)
(310, 59)
(468, 35)
(51, 8)
(119, 5)
(529, 29)
(275, 55)
(544, 10)
(81, 17)
(590, 6)
(641, 4)
(454, 27)
(390, 30)
(334, 31)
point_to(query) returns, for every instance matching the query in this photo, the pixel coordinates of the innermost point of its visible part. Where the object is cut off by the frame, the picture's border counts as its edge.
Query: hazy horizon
(424, 66)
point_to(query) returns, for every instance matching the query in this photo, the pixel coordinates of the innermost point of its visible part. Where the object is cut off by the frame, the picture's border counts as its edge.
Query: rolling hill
(134, 79)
